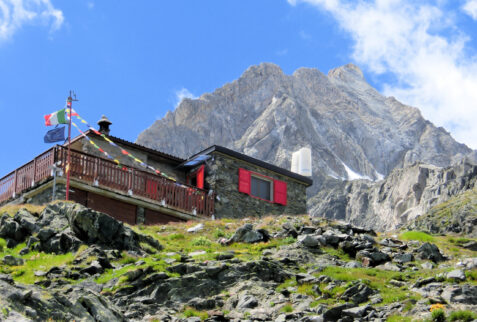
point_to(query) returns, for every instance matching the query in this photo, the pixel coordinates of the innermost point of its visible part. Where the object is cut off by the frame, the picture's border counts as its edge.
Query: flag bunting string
(123, 151)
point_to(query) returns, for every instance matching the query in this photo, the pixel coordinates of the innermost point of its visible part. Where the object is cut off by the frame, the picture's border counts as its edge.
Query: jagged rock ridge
(353, 131)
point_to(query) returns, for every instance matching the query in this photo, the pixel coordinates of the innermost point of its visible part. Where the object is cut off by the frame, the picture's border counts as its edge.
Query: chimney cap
(105, 120)
(104, 124)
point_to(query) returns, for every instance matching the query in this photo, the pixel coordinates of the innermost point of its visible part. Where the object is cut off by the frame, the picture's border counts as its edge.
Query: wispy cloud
(470, 7)
(183, 93)
(90, 4)
(419, 43)
(16, 13)
(282, 52)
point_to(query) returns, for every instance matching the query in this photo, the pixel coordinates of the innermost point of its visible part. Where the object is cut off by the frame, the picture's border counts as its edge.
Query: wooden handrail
(105, 173)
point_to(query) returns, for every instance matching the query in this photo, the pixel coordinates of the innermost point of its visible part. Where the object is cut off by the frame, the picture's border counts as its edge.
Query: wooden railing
(104, 173)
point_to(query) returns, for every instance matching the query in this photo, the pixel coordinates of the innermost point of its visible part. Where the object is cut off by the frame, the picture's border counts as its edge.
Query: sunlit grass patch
(35, 261)
(416, 235)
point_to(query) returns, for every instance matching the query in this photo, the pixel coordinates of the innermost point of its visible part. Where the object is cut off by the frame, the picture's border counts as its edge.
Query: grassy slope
(176, 241)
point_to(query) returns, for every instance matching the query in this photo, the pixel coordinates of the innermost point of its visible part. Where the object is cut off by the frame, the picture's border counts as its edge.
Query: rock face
(353, 131)
(403, 196)
(63, 227)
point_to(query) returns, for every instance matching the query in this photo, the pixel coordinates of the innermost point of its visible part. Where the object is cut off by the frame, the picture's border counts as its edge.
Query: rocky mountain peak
(354, 132)
(347, 71)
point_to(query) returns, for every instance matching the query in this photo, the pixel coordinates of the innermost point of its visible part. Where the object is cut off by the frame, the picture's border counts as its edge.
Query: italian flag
(59, 117)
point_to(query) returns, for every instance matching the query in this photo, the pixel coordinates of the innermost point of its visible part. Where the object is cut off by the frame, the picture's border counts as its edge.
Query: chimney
(104, 124)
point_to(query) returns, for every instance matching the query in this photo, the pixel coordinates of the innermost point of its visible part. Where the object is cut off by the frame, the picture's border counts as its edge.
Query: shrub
(201, 241)
(287, 308)
(438, 315)
(462, 316)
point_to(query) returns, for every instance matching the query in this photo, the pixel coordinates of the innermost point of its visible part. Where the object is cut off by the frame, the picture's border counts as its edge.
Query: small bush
(201, 241)
(287, 308)
(462, 316)
(438, 315)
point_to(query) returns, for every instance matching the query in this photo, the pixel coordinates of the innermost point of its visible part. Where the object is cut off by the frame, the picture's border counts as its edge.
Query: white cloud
(16, 13)
(422, 47)
(282, 52)
(183, 93)
(470, 7)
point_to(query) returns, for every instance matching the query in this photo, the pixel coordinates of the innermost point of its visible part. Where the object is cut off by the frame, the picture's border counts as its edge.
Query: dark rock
(358, 311)
(45, 233)
(224, 256)
(403, 258)
(247, 302)
(32, 240)
(376, 257)
(358, 293)
(336, 312)
(93, 268)
(202, 304)
(420, 282)
(246, 234)
(466, 294)
(472, 245)
(24, 251)
(12, 261)
(429, 251)
(26, 221)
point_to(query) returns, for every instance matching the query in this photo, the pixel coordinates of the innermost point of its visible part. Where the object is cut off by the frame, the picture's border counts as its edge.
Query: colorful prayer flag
(55, 118)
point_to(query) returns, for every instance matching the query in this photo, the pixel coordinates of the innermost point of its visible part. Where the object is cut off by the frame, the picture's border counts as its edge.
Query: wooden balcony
(106, 174)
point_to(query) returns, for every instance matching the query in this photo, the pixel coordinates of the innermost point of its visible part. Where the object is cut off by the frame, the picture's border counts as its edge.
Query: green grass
(35, 261)
(466, 316)
(3, 244)
(374, 278)
(190, 312)
(287, 308)
(416, 235)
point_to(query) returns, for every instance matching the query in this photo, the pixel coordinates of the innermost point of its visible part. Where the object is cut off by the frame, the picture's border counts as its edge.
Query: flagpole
(69, 105)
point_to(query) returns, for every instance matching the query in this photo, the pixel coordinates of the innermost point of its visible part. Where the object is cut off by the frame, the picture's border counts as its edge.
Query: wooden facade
(103, 173)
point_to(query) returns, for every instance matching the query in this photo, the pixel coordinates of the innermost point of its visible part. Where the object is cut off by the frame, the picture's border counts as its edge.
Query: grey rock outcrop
(400, 198)
(352, 130)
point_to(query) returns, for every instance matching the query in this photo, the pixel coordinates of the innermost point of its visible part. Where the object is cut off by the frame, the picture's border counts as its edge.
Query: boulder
(457, 275)
(12, 261)
(429, 251)
(247, 302)
(403, 258)
(372, 257)
(308, 241)
(246, 234)
(465, 294)
(358, 293)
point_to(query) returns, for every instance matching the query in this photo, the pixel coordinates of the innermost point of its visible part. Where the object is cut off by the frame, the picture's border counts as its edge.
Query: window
(263, 187)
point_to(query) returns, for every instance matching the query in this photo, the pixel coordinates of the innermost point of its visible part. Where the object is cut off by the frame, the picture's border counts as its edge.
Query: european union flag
(55, 135)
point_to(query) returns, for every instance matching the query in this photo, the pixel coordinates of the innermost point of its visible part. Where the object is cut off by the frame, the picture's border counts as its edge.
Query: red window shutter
(280, 192)
(244, 181)
(200, 177)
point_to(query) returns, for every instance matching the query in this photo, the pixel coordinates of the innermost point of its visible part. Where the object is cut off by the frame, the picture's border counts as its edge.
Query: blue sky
(133, 60)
